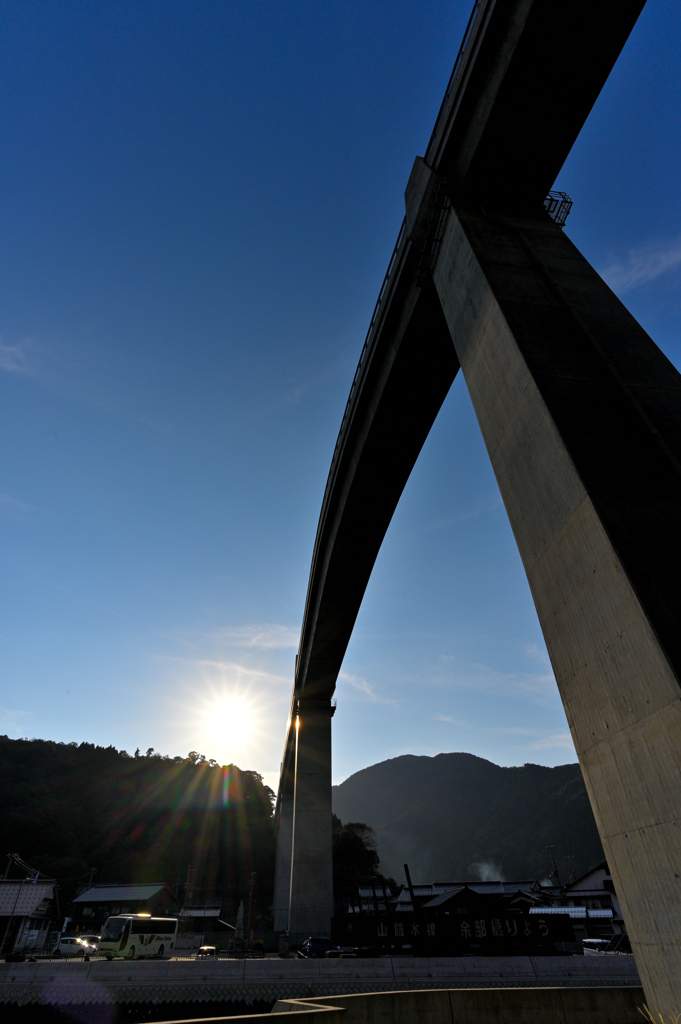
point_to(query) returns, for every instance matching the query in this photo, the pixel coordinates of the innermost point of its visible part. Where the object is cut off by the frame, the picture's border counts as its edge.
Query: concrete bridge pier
(282, 875)
(304, 870)
(581, 416)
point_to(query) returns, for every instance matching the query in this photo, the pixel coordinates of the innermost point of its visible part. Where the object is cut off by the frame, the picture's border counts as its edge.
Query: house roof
(577, 912)
(23, 898)
(199, 912)
(478, 890)
(577, 884)
(447, 889)
(120, 893)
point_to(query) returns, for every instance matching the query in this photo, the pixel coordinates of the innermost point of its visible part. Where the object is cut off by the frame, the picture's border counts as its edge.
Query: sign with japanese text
(471, 931)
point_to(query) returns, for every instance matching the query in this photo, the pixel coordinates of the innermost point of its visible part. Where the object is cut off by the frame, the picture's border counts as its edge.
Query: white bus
(137, 935)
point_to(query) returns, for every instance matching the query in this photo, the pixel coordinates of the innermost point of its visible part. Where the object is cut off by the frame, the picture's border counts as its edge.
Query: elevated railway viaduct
(581, 416)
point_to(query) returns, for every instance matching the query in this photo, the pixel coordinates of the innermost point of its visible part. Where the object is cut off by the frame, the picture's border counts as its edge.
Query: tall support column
(282, 871)
(581, 416)
(312, 867)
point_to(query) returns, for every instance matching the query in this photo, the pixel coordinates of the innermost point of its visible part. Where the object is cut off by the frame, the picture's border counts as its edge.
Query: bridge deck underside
(581, 415)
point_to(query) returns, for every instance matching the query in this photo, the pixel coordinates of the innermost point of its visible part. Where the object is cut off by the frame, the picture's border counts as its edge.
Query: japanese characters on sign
(462, 931)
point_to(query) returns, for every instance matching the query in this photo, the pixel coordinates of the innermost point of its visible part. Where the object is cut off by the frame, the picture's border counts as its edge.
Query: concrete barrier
(459, 1006)
(243, 983)
(485, 1006)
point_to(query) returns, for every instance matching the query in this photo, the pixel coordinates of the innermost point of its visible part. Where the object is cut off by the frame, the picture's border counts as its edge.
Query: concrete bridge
(581, 416)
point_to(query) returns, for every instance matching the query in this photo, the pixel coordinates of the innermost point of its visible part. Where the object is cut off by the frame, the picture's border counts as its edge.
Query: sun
(229, 721)
(229, 713)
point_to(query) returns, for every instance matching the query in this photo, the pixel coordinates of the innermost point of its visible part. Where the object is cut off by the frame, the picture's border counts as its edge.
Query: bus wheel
(131, 953)
(161, 950)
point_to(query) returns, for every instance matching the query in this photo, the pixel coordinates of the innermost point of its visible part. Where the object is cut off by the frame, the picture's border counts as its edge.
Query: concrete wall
(255, 981)
(552, 362)
(485, 1006)
(453, 1006)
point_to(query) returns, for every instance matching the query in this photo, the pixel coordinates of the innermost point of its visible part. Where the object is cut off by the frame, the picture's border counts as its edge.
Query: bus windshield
(113, 929)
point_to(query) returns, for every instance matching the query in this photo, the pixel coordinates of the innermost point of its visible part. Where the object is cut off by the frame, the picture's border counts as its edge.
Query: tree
(355, 858)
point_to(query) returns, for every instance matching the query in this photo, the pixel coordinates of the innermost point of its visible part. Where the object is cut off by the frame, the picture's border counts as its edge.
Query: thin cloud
(542, 740)
(485, 508)
(243, 670)
(534, 653)
(269, 636)
(515, 730)
(561, 740)
(7, 501)
(448, 718)
(14, 358)
(365, 690)
(232, 667)
(642, 265)
(538, 687)
(10, 718)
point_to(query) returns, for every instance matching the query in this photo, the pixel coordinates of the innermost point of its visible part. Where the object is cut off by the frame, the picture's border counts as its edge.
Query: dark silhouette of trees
(355, 858)
(68, 807)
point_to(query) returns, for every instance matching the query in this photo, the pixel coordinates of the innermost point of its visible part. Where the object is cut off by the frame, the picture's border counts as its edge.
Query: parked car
(618, 945)
(318, 945)
(69, 945)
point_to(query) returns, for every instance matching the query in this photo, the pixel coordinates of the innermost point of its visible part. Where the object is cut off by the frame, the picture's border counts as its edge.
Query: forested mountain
(66, 808)
(457, 816)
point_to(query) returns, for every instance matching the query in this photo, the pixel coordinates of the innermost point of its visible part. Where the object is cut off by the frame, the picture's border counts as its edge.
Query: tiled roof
(200, 912)
(576, 912)
(119, 893)
(23, 898)
(441, 888)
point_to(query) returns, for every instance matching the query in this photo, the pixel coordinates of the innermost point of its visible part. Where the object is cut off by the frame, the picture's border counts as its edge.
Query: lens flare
(230, 713)
(229, 721)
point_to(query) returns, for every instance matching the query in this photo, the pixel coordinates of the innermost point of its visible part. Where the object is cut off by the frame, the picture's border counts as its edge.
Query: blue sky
(200, 200)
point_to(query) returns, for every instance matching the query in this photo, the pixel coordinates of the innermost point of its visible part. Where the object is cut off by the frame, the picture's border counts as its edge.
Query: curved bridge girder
(409, 374)
(524, 82)
(581, 416)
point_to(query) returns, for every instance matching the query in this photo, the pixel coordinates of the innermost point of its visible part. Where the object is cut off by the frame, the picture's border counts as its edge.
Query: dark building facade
(91, 908)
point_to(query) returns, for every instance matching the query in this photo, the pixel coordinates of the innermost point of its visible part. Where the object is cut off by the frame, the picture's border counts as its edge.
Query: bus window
(113, 929)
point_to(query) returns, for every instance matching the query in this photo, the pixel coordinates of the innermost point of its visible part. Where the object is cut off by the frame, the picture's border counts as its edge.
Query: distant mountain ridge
(457, 816)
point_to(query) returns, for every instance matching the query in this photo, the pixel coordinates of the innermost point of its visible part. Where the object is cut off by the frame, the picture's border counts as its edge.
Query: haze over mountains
(457, 816)
(67, 808)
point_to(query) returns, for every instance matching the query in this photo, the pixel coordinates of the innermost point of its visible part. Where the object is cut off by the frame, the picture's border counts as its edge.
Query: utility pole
(553, 861)
(250, 906)
(293, 826)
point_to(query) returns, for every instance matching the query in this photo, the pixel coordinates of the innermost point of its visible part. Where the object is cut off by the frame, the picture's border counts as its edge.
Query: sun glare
(230, 713)
(230, 721)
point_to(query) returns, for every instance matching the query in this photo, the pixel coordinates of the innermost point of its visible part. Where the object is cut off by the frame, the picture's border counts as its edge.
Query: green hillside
(457, 816)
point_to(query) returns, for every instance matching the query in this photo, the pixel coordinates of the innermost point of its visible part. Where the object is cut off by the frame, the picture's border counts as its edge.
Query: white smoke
(487, 871)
